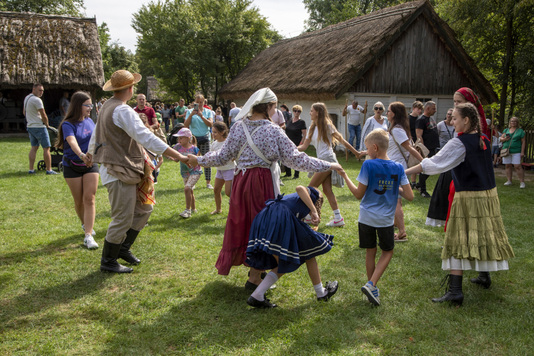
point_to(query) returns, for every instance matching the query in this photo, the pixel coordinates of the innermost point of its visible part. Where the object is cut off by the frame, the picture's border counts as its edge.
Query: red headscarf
(470, 96)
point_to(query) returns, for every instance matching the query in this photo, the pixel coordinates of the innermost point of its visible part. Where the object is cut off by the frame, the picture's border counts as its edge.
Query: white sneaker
(508, 183)
(308, 219)
(186, 214)
(194, 211)
(89, 242)
(522, 185)
(92, 232)
(209, 186)
(336, 223)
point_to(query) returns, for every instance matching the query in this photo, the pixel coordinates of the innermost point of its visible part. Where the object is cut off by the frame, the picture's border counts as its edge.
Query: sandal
(216, 212)
(400, 238)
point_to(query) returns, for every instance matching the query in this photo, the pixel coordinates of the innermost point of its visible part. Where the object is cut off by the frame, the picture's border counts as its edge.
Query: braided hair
(468, 110)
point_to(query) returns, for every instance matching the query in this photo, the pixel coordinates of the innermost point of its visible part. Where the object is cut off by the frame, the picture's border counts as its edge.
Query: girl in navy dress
(279, 240)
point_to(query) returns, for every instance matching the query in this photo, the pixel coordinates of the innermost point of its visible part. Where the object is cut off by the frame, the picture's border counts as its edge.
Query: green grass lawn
(55, 301)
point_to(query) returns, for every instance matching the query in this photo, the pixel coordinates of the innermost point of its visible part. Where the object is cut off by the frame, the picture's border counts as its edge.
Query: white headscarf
(262, 96)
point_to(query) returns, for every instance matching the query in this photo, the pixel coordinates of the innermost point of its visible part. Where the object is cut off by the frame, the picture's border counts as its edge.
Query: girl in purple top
(80, 173)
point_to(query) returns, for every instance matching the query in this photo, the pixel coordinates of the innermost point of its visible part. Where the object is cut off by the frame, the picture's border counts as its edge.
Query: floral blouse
(271, 141)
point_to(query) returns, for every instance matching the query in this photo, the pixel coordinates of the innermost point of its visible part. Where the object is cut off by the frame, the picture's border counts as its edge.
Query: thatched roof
(325, 64)
(58, 51)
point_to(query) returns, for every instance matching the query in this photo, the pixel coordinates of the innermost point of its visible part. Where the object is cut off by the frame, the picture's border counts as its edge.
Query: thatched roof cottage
(62, 53)
(404, 53)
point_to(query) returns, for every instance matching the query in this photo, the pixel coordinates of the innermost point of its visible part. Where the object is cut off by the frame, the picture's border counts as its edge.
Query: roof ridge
(357, 20)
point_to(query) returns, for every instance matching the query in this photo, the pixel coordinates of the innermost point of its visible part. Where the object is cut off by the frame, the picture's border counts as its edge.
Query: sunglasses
(297, 111)
(90, 106)
(378, 108)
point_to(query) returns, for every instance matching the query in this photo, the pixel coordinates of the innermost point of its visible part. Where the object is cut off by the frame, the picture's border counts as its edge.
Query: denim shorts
(39, 135)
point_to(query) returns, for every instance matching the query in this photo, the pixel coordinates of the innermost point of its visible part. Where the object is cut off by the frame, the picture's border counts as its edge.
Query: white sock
(267, 282)
(337, 214)
(319, 290)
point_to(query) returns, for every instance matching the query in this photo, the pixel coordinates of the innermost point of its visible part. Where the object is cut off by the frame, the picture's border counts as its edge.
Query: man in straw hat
(117, 144)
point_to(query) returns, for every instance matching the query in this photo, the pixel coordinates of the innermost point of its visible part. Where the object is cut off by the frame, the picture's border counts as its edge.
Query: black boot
(125, 252)
(109, 263)
(483, 279)
(454, 290)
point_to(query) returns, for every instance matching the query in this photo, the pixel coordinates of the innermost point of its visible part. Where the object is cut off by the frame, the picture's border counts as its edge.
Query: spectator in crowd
(354, 121)
(427, 131)
(234, 111)
(142, 107)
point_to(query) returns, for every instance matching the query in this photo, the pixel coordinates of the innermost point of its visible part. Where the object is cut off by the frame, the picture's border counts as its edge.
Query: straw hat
(121, 79)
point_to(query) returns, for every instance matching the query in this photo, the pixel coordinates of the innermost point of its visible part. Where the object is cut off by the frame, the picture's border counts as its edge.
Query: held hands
(87, 159)
(192, 161)
(336, 167)
(315, 218)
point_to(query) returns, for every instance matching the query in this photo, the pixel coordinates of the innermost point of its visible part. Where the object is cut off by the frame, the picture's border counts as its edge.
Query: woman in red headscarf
(443, 193)
(464, 95)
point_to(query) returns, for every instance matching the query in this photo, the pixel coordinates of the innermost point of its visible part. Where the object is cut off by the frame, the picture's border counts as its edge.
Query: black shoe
(483, 279)
(252, 287)
(287, 176)
(454, 292)
(331, 289)
(263, 304)
(425, 194)
(108, 262)
(125, 252)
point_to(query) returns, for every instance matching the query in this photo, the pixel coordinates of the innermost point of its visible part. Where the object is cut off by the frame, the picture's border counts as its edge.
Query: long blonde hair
(323, 124)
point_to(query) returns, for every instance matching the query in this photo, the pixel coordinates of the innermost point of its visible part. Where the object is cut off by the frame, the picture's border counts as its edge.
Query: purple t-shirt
(82, 131)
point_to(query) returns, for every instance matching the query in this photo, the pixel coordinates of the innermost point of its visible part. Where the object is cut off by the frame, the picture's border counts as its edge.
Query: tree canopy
(192, 45)
(49, 7)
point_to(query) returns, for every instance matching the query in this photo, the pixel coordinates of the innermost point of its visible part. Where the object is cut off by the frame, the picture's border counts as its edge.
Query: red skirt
(250, 191)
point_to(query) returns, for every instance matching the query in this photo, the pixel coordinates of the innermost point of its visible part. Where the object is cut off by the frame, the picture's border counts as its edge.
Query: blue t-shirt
(382, 178)
(198, 127)
(82, 131)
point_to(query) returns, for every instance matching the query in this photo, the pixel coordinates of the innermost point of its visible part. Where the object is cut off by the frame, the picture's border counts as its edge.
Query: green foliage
(498, 35)
(328, 12)
(114, 56)
(199, 44)
(56, 7)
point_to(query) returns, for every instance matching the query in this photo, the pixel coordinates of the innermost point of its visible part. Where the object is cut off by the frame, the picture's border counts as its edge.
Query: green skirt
(475, 230)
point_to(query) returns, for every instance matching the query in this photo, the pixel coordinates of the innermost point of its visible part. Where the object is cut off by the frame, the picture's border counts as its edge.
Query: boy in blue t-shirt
(380, 182)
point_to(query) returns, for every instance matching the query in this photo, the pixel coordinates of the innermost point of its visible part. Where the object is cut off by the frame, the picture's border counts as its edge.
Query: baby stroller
(55, 153)
(171, 140)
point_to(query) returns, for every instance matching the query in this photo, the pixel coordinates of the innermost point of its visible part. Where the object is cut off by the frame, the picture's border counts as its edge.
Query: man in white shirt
(354, 122)
(37, 126)
(118, 145)
(234, 110)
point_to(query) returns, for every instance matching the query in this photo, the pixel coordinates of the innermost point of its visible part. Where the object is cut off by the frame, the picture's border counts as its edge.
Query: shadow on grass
(217, 319)
(53, 247)
(35, 301)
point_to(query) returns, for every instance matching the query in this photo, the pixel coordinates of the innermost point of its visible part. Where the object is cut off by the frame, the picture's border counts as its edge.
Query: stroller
(55, 153)
(171, 140)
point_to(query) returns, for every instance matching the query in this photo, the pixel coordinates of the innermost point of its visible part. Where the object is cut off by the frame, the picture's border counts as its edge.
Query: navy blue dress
(279, 230)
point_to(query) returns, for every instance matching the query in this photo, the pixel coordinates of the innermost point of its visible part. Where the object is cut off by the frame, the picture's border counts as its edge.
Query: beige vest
(113, 146)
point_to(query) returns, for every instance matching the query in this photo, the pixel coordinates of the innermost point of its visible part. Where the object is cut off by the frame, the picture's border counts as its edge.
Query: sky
(286, 16)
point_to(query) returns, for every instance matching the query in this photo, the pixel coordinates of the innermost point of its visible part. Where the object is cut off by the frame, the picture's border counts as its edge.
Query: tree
(56, 7)
(114, 56)
(497, 34)
(328, 12)
(199, 44)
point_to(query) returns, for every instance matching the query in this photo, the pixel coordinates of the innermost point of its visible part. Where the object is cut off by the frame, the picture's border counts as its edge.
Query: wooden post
(346, 128)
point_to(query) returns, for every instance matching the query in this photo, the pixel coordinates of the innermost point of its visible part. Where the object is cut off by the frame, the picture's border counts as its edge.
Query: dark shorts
(386, 236)
(70, 173)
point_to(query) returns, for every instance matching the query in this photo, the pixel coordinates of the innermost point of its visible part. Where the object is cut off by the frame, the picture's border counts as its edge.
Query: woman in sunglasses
(80, 173)
(377, 121)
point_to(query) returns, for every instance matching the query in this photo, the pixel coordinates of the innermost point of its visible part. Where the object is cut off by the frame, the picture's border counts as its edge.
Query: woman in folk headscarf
(464, 95)
(444, 189)
(255, 143)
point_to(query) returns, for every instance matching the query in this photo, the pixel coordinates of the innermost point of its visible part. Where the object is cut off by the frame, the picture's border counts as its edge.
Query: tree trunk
(506, 66)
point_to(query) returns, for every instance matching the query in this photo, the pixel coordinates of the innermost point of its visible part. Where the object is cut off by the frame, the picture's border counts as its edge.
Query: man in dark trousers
(426, 129)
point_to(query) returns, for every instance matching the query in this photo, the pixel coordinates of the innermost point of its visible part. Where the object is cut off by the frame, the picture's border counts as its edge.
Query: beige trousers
(127, 212)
